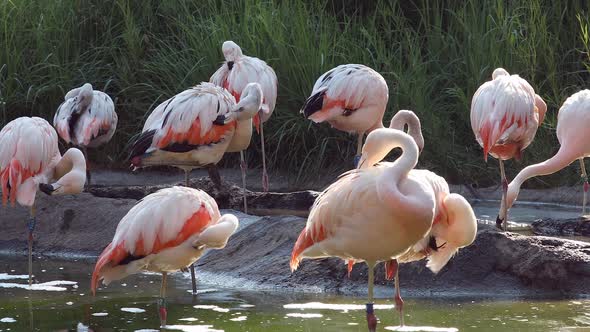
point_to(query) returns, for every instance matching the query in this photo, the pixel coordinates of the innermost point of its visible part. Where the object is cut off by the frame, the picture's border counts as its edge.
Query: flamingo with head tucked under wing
(505, 115)
(30, 159)
(165, 232)
(351, 98)
(371, 214)
(236, 72)
(573, 121)
(86, 119)
(194, 129)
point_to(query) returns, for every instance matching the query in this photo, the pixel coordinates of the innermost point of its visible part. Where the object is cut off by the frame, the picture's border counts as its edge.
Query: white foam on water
(7, 320)
(353, 323)
(300, 315)
(51, 286)
(189, 319)
(239, 319)
(100, 314)
(203, 291)
(247, 305)
(69, 303)
(340, 307)
(210, 307)
(407, 328)
(147, 330)
(133, 310)
(6, 276)
(192, 328)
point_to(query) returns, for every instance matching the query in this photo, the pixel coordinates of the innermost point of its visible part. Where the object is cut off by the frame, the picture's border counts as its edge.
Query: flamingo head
(380, 142)
(409, 118)
(250, 102)
(231, 52)
(73, 168)
(499, 72)
(458, 231)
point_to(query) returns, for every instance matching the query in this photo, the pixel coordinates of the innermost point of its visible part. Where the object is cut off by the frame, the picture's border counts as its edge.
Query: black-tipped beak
(499, 222)
(220, 120)
(432, 243)
(46, 188)
(230, 65)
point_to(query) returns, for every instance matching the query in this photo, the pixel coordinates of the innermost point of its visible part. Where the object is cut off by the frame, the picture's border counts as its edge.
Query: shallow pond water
(130, 305)
(523, 212)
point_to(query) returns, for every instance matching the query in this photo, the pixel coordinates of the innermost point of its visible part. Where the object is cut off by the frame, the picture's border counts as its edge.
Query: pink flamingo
(572, 133)
(505, 115)
(165, 232)
(370, 214)
(351, 98)
(30, 159)
(86, 119)
(454, 225)
(236, 72)
(194, 129)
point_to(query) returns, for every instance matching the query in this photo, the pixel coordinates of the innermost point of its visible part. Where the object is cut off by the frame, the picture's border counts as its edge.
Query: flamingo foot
(371, 318)
(265, 181)
(163, 313)
(356, 161)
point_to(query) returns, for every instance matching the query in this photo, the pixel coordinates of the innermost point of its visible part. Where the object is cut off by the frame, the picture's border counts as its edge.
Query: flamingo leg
(88, 175)
(163, 313)
(371, 318)
(504, 224)
(192, 267)
(214, 176)
(359, 149)
(399, 303)
(586, 185)
(31, 226)
(264, 172)
(243, 167)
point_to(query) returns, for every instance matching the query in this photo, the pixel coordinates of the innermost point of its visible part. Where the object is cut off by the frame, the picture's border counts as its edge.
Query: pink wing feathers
(161, 220)
(504, 117)
(28, 146)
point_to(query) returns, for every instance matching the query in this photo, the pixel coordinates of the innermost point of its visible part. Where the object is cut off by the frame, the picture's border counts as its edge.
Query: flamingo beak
(46, 188)
(230, 65)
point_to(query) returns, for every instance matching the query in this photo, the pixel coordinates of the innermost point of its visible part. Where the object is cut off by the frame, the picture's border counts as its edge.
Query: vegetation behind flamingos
(433, 54)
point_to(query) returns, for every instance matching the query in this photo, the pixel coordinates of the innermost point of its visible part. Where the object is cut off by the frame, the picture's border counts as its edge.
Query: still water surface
(130, 305)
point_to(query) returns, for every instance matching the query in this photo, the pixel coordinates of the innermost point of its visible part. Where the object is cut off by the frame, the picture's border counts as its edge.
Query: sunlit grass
(433, 57)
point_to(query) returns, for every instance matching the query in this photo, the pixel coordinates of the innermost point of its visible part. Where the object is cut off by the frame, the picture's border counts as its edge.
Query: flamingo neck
(400, 168)
(403, 118)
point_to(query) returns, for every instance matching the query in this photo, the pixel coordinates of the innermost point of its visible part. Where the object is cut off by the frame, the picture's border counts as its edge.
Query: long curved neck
(72, 160)
(400, 168)
(560, 160)
(403, 118)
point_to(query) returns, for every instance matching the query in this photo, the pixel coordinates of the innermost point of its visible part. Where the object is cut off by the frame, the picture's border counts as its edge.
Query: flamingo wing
(186, 121)
(503, 114)
(28, 146)
(159, 221)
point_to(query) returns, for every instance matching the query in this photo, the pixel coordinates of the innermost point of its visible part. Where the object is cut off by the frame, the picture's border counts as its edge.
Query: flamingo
(30, 159)
(573, 120)
(194, 129)
(86, 119)
(351, 98)
(370, 214)
(505, 115)
(454, 225)
(236, 72)
(165, 232)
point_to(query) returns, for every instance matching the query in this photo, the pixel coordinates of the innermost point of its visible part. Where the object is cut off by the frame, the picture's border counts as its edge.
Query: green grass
(433, 54)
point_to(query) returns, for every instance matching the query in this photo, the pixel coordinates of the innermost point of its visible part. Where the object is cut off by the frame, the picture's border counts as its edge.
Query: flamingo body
(86, 118)
(164, 232)
(351, 98)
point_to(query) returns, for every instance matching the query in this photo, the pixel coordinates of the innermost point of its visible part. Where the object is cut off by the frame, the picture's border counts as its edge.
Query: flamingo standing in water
(86, 119)
(573, 120)
(370, 214)
(236, 72)
(454, 225)
(165, 232)
(505, 115)
(351, 98)
(194, 129)
(30, 159)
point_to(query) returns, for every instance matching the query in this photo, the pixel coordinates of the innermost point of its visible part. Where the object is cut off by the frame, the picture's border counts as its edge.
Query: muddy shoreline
(496, 265)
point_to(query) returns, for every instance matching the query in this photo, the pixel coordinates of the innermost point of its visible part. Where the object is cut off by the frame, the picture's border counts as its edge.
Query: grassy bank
(433, 55)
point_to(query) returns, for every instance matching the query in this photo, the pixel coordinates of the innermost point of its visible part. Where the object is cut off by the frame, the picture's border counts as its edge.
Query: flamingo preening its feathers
(30, 159)
(371, 214)
(165, 232)
(86, 119)
(237, 71)
(351, 98)
(195, 128)
(505, 115)
(573, 121)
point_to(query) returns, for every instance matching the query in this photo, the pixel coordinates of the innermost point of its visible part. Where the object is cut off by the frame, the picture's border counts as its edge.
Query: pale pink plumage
(86, 118)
